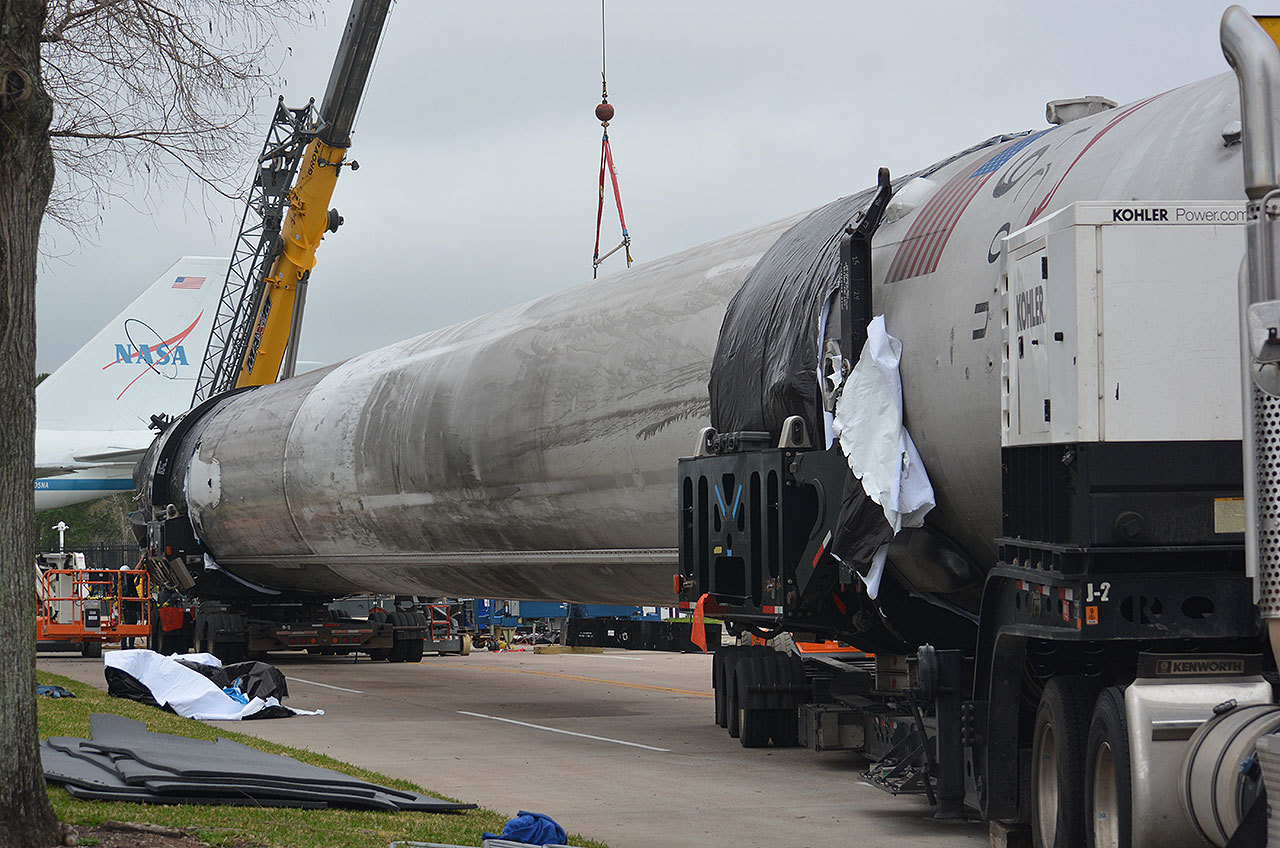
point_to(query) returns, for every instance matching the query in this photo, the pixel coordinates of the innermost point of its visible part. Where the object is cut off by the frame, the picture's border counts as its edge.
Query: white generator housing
(1121, 324)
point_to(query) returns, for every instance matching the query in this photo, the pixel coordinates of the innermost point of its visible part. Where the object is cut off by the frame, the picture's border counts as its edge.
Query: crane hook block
(604, 112)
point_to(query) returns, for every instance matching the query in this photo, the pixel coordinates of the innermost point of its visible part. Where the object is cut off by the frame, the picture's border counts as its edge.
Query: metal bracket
(706, 442)
(1264, 331)
(794, 433)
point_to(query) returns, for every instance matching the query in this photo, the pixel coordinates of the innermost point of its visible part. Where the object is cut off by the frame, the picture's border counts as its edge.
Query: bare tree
(146, 88)
(114, 91)
(26, 178)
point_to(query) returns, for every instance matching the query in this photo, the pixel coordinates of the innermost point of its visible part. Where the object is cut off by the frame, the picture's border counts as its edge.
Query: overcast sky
(479, 148)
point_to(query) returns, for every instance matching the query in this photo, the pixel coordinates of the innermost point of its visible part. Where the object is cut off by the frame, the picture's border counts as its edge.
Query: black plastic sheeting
(215, 673)
(253, 678)
(126, 762)
(121, 684)
(766, 361)
(258, 680)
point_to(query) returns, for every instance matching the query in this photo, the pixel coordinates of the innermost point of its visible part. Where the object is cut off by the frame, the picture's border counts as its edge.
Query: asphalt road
(619, 746)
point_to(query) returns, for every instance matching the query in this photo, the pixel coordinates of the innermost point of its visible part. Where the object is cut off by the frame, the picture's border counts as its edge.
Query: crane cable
(604, 113)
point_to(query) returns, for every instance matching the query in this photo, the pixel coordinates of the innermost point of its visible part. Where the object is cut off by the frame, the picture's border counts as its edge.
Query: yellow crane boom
(278, 318)
(255, 334)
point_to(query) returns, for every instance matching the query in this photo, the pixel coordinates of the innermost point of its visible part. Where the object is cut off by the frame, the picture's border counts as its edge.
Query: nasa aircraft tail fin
(144, 361)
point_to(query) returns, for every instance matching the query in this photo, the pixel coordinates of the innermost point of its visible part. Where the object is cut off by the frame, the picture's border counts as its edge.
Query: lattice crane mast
(256, 330)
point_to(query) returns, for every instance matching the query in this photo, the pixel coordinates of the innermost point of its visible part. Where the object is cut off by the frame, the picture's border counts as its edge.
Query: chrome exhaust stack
(1255, 58)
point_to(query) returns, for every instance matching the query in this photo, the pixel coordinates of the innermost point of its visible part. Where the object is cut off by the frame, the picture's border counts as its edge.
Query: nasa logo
(164, 352)
(152, 355)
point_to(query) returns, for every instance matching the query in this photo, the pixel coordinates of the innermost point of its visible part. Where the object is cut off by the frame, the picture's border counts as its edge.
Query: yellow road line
(579, 678)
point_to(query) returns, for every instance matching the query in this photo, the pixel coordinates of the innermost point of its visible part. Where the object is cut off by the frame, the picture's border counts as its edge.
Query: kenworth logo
(1199, 667)
(162, 356)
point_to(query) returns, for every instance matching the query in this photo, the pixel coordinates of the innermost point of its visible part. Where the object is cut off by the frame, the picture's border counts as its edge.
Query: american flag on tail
(188, 282)
(920, 250)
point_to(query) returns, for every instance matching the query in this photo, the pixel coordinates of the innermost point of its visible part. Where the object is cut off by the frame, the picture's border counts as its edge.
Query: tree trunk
(26, 178)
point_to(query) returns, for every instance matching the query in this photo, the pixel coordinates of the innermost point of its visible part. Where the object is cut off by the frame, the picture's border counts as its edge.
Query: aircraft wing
(112, 455)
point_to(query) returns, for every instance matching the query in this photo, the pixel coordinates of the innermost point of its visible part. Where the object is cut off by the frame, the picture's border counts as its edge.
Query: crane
(255, 332)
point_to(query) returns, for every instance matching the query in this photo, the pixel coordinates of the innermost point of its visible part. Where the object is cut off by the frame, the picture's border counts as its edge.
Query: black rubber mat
(61, 767)
(188, 757)
(125, 761)
(148, 798)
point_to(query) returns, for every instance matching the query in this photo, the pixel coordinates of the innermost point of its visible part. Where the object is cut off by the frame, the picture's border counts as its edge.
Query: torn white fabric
(872, 578)
(187, 692)
(868, 422)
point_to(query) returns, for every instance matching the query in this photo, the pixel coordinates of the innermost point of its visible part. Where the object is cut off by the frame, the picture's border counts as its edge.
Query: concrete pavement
(619, 746)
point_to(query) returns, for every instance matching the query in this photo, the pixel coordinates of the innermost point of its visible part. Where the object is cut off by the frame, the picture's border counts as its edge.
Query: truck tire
(1057, 764)
(399, 647)
(170, 642)
(378, 616)
(717, 685)
(229, 651)
(731, 697)
(754, 723)
(1108, 775)
(415, 647)
(785, 728)
(465, 641)
(91, 650)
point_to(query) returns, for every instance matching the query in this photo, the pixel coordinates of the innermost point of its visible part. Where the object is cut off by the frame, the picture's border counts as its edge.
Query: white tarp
(868, 422)
(187, 692)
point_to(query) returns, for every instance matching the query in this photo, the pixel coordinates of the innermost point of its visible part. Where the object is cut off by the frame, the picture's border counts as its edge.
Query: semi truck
(1064, 630)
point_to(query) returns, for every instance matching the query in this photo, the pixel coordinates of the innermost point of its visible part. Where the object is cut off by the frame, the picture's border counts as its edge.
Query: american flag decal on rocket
(920, 250)
(188, 282)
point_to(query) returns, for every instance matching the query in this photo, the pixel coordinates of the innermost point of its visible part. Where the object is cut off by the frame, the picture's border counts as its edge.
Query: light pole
(62, 529)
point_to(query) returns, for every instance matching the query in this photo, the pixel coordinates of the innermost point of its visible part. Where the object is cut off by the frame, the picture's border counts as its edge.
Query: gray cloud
(479, 148)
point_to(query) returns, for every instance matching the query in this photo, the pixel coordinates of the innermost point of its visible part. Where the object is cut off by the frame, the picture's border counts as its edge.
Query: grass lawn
(277, 827)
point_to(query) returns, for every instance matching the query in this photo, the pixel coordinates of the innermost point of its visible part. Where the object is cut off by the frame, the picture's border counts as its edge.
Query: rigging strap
(606, 163)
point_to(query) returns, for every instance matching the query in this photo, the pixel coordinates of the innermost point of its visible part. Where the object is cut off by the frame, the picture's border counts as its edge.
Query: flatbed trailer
(250, 629)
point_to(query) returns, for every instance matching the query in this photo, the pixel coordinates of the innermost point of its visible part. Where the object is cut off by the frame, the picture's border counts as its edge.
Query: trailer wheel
(399, 647)
(377, 616)
(717, 685)
(413, 648)
(91, 650)
(1108, 802)
(786, 728)
(1057, 764)
(229, 652)
(731, 697)
(754, 723)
